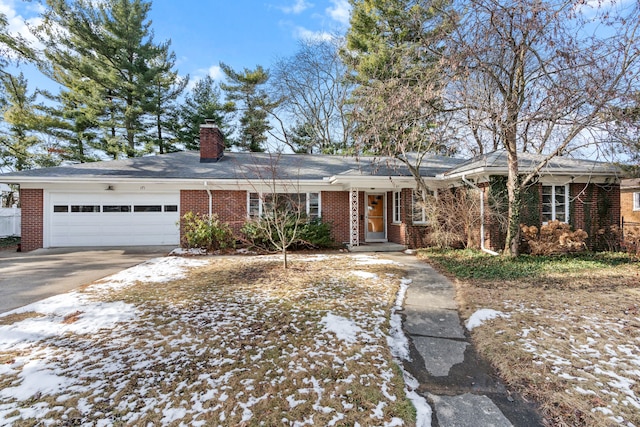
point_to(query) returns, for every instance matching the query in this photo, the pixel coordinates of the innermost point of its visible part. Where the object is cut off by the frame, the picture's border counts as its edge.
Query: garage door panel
(125, 227)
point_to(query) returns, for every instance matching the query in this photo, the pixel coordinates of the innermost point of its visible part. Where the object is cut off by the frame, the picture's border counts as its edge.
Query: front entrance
(376, 217)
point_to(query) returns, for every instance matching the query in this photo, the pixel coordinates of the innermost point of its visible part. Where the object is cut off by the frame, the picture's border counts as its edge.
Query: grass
(237, 342)
(570, 334)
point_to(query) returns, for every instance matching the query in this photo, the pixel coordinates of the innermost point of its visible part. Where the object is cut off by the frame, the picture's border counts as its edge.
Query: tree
(167, 86)
(246, 88)
(554, 69)
(314, 95)
(20, 145)
(202, 102)
(392, 48)
(103, 54)
(283, 210)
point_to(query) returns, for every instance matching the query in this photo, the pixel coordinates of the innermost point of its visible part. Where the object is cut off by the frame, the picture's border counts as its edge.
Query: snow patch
(344, 329)
(481, 316)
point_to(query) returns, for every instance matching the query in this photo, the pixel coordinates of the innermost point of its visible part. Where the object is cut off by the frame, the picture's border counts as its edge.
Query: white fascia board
(133, 185)
(388, 183)
(580, 176)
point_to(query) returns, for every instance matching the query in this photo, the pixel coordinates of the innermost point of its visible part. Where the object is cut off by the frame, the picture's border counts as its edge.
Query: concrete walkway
(462, 389)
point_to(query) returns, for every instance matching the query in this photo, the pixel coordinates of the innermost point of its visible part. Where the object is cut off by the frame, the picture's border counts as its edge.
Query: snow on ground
(480, 316)
(84, 359)
(599, 357)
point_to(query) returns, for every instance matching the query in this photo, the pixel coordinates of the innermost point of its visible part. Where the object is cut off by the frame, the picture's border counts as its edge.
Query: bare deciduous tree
(314, 92)
(540, 76)
(280, 211)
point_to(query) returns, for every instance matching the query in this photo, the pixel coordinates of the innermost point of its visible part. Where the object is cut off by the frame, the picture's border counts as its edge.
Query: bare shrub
(552, 238)
(453, 216)
(631, 241)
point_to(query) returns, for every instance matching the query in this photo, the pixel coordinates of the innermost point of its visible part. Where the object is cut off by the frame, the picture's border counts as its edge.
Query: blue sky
(241, 33)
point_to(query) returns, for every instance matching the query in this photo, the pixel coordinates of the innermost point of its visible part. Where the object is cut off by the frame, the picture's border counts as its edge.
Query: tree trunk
(284, 257)
(512, 244)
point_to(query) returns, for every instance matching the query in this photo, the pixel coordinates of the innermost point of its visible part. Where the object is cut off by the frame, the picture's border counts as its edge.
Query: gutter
(482, 246)
(206, 187)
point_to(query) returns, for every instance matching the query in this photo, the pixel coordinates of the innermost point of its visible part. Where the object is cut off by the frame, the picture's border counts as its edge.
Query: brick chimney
(211, 142)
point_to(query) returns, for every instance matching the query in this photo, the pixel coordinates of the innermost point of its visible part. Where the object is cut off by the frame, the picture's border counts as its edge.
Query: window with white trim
(308, 202)
(555, 203)
(418, 208)
(396, 207)
(636, 201)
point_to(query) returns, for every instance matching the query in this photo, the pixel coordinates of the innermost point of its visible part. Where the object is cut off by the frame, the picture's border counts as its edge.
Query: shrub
(314, 234)
(555, 237)
(631, 241)
(204, 231)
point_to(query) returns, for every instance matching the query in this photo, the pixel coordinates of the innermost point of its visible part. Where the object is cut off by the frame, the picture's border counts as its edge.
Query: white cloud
(298, 7)
(18, 25)
(306, 34)
(215, 72)
(340, 11)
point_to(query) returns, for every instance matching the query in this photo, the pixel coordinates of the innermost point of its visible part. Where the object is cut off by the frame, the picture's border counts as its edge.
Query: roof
(495, 163)
(344, 170)
(630, 184)
(187, 166)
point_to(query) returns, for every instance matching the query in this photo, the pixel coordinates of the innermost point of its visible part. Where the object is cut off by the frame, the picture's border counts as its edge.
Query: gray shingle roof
(496, 163)
(186, 166)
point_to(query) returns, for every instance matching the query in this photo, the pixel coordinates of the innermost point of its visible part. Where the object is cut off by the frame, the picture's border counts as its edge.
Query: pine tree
(20, 146)
(246, 89)
(103, 55)
(166, 86)
(203, 102)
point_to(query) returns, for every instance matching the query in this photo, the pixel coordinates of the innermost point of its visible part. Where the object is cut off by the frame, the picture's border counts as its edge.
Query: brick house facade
(630, 204)
(139, 201)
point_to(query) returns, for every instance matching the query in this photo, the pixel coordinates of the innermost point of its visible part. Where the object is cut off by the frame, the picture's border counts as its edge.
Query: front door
(376, 217)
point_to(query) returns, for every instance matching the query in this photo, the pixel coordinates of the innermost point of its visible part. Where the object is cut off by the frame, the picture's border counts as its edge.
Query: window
(255, 206)
(555, 203)
(147, 208)
(309, 203)
(171, 208)
(116, 208)
(313, 205)
(85, 208)
(396, 207)
(636, 201)
(418, 208)
(61, 208)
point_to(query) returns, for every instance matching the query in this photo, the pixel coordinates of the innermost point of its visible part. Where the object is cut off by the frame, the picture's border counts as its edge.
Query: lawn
(565, 330)
(213, 341)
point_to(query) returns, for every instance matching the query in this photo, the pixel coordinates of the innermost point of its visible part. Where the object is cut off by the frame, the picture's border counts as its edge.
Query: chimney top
(211, 142)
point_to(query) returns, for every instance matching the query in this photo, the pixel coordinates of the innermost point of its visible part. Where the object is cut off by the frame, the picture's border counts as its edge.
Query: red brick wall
(336, 210)
(230, 206)
(32, 204)
(596, 209)
(396, 233)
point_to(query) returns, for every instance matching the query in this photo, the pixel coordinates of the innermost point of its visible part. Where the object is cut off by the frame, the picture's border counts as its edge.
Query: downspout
(210, 199)
(482, 246)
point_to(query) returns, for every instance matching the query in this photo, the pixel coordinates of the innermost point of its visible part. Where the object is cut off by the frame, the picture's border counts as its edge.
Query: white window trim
(636, 201)
(308, 199)
(423, 221)
(553, 202)
(396, 206)
(261, 200)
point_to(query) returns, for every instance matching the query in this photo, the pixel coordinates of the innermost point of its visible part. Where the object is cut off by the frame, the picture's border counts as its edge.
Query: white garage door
(113, 219)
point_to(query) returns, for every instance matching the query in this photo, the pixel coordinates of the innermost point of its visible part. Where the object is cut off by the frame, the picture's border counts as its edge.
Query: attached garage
(111, 219)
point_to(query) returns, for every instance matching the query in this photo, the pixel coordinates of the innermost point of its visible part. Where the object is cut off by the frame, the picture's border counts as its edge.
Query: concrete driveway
(26, 277)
